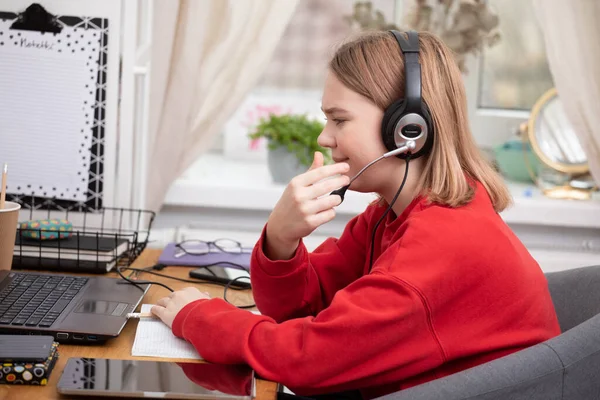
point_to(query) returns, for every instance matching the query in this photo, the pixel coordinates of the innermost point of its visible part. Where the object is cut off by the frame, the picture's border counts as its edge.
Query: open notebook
(155, 339)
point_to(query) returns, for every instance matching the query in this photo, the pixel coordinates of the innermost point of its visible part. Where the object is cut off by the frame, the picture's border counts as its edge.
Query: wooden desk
(120, 347)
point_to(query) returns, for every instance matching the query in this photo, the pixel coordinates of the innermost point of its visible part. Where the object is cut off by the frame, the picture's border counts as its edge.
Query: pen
(139, 315)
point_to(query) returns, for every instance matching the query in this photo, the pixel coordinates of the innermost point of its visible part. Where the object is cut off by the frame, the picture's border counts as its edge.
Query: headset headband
(410, 50)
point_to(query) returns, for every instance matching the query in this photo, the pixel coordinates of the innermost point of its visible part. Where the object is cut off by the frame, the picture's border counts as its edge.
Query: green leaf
(295, 132)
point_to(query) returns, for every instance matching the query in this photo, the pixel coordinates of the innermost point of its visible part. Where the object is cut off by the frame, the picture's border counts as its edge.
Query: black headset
(408, 118)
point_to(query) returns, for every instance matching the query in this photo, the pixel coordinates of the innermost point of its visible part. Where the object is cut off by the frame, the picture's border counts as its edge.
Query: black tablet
(156, 379)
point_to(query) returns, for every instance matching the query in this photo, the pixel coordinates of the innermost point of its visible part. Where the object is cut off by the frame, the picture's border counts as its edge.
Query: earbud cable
(386, 211)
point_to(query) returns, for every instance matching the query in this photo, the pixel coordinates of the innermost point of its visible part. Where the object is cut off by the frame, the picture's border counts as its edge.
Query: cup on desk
(9, 216)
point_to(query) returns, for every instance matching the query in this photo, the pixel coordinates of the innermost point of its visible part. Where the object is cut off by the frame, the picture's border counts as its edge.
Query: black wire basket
(97, 241)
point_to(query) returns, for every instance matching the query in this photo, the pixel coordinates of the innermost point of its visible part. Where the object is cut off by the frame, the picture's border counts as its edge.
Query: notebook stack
(79, 253)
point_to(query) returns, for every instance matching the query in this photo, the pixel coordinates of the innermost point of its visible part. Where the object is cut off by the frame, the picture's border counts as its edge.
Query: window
(502, 85)
(507, 79)
(300, 60)
(514, 73)
(294, 78)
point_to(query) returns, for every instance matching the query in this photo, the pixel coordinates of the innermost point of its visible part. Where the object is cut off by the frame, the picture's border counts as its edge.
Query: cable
(145, 282)
(386, 211)
(228, 285)
(138, 283)
(209, 270)
(406, 147)
(218, 263)
(172, 277)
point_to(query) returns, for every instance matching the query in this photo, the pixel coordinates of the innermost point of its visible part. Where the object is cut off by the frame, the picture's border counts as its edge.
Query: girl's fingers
(321, 218)
(163, 302)
(158, 311)
(317, 161)
(322, 204)
(314, 175)
(326, 186)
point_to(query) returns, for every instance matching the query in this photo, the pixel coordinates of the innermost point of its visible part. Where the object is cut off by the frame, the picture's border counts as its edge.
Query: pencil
(3, 190)
(139, 315)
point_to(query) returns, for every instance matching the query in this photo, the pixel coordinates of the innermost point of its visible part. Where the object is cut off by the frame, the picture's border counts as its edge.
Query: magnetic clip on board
(36, 18)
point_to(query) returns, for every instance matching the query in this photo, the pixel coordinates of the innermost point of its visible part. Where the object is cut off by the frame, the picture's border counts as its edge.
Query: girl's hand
(167, 308)
(301, 209)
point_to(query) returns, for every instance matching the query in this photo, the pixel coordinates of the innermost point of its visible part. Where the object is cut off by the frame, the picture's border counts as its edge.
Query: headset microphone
(409, 146)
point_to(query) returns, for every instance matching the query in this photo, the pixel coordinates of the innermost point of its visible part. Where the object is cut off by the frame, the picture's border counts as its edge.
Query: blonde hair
(372, 65)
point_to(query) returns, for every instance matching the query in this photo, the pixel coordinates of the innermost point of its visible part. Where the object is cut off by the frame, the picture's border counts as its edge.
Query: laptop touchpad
(101, 307)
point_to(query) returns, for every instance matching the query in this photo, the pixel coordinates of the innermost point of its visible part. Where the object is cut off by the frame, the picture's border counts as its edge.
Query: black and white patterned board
(95, 160)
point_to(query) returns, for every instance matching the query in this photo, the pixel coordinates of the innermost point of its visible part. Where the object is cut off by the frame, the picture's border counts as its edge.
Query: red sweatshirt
(450, 288)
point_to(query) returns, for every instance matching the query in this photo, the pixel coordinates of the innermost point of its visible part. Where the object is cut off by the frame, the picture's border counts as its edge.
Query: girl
(422, 284)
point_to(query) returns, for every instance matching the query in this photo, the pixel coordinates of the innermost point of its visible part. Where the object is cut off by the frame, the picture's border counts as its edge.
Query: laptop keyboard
(37, 300)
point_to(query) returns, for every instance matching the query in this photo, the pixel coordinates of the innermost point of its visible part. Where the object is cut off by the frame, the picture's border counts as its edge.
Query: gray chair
(565, 367)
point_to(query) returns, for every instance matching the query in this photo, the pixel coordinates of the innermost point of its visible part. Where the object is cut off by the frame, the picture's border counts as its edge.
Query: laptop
(71, 308)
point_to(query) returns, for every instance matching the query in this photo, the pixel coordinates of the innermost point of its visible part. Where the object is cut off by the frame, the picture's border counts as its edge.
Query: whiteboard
(111, 10)
(47, 106)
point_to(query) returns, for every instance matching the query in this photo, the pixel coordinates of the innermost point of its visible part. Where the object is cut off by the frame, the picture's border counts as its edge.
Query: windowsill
(215, 181)
(219, 182)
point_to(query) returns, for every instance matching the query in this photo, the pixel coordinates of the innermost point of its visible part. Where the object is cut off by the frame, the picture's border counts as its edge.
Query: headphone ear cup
(391, 116)
(428, 145)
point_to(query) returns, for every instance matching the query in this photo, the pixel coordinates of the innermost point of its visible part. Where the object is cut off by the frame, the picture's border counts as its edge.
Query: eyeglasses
(201, 247)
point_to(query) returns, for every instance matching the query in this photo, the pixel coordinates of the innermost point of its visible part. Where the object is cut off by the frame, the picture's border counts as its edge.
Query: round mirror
(553, 138)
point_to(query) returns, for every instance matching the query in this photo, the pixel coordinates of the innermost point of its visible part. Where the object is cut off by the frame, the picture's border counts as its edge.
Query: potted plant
(291, 143)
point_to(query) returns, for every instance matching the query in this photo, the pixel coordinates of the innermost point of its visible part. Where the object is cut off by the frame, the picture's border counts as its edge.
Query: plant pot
(284, 165)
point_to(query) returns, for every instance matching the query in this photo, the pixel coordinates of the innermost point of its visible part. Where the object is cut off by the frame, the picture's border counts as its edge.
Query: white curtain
(206, 56)
(571, 34)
